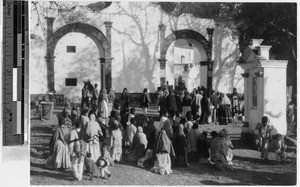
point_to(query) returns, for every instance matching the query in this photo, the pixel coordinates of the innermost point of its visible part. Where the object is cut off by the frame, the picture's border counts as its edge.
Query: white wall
(83, 65)
(275, 97)
(135, 47)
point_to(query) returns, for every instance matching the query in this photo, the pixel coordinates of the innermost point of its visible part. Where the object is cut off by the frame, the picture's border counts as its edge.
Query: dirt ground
(248, 168)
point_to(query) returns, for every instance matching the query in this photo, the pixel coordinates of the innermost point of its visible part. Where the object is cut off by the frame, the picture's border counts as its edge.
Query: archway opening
(183, 64)
(76, 61)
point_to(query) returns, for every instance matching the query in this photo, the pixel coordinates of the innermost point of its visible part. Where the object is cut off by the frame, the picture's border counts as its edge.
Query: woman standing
(78, 149)
(224, 112)
(180, 146)
(186, 103)
(93, 131)
(116, 143)
(192, 142)
(103, 99)
(111, 100)
(124, 101)
(59, 147)
(163, 149)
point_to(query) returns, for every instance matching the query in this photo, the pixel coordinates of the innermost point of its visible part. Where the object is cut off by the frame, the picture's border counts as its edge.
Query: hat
(102, 162)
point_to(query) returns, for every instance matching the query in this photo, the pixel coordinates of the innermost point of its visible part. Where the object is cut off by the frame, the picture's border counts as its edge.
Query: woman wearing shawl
(203, 148)
(103, 99)
(225, 112)
(186, 103)
(192, 142)
(78, 149)
(124, 101)
(219, 145)
(129, 133)
(139, 144)
(229, 153)
(180, 146)
(163, 149)
(58, 145)
(93, 132)
(116, 143)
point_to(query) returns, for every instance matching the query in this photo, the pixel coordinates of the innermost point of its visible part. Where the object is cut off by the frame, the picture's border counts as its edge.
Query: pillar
(108, 58)
(50, 56)
(102, 73)
(210, 64)
(162, 60)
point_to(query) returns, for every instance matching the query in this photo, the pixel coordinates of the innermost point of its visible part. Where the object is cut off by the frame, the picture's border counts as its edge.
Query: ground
(248, 168)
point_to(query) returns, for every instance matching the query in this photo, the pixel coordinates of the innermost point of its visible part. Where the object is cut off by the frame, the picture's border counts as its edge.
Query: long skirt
(94, 149)
(104, 109)
(162, 164)
(225, 115)
(185, 109)
(110, 107)
(116, 151)
(147, 156)
(60, 157)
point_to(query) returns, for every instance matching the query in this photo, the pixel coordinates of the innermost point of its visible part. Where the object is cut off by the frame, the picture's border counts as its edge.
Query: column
(162, 60)
(108, 58)
(50, 73)
(50, 56)
(102, 73)
(210, 32)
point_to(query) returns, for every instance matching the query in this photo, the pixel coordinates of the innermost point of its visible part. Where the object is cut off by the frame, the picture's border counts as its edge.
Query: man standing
(111, 99)
(214, 102)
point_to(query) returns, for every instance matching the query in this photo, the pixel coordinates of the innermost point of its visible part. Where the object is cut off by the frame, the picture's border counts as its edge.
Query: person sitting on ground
(219, 145)
(192, 142)
(163, 150)
(203, 148)
(180, 147)
(229, 152)
(89, 165)
(129, 133)
(280, 148)
(139, 145)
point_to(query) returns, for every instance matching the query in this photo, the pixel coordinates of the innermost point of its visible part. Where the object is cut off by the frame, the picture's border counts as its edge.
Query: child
(280, 148)
(102, 164)
(90, 165)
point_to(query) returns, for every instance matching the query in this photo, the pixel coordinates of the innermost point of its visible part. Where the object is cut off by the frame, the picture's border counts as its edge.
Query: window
(71, 81)
(254, 92)
(182, 59)
(71, 49)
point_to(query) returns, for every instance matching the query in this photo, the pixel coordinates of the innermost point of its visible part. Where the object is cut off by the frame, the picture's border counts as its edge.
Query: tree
(276, 23)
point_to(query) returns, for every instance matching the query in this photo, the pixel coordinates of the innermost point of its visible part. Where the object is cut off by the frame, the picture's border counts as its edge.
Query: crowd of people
(205, 106)
(100, 134)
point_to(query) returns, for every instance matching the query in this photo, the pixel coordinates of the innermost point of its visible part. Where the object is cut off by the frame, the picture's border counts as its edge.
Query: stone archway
(188, 35)
(103, 44)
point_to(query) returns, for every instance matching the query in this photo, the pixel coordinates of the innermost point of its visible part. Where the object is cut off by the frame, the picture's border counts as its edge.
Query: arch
(102, 43)
(185, 34)
(95, 34)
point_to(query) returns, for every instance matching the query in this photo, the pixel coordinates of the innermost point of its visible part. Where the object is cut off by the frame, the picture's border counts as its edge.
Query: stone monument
(264, 87)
